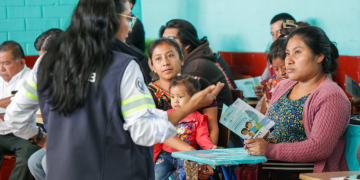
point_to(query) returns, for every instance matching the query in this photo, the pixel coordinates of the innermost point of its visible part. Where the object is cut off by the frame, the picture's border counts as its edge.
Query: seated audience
(166, 60)
(137, 35)
(275, 57)
(37, 161)
(103, 92)
(13, 75)
(198, 60)
(192, 129)
(319, 108)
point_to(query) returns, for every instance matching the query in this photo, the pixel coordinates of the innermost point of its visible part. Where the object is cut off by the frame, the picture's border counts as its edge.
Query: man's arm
(5, 102)
(20, 114)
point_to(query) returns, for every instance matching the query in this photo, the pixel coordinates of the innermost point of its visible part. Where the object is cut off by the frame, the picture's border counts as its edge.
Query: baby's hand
(215, 147)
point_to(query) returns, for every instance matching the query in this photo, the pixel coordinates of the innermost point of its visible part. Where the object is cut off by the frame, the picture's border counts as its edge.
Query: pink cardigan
(326, 116)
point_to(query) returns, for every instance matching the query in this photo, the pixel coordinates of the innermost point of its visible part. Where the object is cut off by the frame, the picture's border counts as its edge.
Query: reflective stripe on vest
(137, 103)
(30, 89)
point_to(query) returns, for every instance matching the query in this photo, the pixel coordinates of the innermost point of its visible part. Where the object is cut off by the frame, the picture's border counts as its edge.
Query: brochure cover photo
(245, 121)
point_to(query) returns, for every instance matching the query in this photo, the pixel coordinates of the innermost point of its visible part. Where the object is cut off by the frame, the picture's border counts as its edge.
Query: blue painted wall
(230, 25)
(24, 20)
(244, 26)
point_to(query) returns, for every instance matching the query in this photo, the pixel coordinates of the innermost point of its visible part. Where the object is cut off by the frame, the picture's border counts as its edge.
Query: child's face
(244, 132)
(250, 125)
(179, 96)
(279, 67)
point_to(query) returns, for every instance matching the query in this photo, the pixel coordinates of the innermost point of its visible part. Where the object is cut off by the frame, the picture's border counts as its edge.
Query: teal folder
(216, 157)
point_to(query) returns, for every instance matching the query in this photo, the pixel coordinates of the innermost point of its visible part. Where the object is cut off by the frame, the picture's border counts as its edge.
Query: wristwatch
(38, 138)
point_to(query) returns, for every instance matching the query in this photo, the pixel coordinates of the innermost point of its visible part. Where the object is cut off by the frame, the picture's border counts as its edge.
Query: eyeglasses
(131, 19)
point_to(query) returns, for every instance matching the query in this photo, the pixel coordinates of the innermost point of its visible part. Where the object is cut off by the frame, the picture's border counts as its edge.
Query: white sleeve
(20, 114)
(146, 124)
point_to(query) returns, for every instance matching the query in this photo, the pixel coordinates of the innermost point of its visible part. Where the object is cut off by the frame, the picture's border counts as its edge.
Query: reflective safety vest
(90, 143)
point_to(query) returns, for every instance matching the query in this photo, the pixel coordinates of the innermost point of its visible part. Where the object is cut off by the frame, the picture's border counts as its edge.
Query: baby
(192, 129)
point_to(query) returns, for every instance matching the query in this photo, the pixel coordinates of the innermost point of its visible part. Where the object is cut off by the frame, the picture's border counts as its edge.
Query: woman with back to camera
(100, 117)
(311, 112)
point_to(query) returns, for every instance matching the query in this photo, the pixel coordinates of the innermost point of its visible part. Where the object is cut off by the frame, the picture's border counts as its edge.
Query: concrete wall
(24, 20)
(230, 25)
(244, 26)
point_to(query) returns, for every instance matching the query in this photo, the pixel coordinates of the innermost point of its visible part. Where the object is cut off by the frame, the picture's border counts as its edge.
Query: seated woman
(166, 60)
(276, 58)
(311, 112)
(192, 129)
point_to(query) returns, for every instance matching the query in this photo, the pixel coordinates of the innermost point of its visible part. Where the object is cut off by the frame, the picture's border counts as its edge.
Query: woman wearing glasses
(100, 116)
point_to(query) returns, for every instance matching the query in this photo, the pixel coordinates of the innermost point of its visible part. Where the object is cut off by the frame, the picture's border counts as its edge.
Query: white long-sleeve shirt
(146, 124)
(5, 91)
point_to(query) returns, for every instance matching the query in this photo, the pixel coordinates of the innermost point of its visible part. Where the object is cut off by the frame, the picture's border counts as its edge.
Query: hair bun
(334, 52)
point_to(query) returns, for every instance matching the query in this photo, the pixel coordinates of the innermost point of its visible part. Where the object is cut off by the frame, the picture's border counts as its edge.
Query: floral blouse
(288, 117)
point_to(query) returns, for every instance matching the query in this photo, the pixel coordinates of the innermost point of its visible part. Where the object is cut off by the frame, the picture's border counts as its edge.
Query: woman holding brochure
(311, 112)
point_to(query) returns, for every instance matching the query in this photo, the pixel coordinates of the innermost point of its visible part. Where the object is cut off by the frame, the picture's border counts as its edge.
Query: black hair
(290, 27)
(316, 39)
(168, 41)
(244, 129)
(17, 52)
(133, 2)
(191, 83)
(277, 50)
(84, 48)
(44, 41)
(247, 123)
(281, 16)
(187, 33)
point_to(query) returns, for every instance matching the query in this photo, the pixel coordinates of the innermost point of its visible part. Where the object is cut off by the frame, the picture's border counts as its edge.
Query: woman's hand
(258, 91)
(205, 171)
(197, 101)
(206, 96)
(255, 146)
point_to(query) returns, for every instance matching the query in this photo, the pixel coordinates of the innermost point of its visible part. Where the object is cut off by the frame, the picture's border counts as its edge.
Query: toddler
(192, 129)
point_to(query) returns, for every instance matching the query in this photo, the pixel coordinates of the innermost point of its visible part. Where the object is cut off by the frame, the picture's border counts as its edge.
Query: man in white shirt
(13, 73)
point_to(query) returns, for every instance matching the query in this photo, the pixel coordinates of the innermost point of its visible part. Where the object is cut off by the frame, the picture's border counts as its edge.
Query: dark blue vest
(91, 143)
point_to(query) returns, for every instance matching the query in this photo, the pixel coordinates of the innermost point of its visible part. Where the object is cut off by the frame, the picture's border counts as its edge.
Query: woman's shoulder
(152, 87)
(329, 88)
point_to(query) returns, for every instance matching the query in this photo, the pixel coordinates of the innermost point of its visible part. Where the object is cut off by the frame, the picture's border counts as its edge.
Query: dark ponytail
(85, 47)
(316, 39)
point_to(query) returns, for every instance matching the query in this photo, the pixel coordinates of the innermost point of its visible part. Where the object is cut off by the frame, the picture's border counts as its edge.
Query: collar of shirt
(13, 84)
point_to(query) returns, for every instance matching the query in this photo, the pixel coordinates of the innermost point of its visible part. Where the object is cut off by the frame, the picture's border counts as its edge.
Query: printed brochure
(245, 121)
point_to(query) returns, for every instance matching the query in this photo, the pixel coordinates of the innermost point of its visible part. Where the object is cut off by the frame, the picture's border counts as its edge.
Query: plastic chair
(7, 166)
(352, 136)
